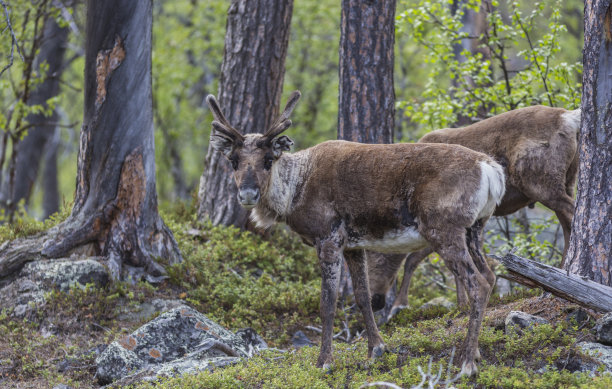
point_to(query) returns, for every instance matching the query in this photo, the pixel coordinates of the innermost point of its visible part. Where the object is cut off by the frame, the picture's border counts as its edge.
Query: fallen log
(571, 287)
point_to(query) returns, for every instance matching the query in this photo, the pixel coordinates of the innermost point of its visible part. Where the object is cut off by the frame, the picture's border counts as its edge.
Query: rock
(178, 341)
(577, 362)
(65, 273)
(439, 302)
(578, 316)
(600, 353)
(62, 386)
(252, 339)
(299, 339)
(603, 329)
(520, 320)
(25, 290)
(147, 309)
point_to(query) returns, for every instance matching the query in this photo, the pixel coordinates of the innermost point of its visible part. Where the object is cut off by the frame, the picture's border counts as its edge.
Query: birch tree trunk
(115, 207)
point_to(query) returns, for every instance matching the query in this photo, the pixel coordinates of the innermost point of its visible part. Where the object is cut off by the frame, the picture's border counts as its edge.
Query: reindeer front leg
(330, 261)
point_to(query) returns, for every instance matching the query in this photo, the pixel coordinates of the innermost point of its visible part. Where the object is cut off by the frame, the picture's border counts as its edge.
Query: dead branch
(561, 283)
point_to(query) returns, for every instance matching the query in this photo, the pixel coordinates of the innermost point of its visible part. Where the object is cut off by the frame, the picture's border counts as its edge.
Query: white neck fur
(286, 174)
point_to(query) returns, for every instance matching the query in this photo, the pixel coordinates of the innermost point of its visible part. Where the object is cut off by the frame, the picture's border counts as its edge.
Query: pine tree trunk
(115, 206)
(249, 91)
(367, 98)
(55, 39)
(366, 104)
(590, 249)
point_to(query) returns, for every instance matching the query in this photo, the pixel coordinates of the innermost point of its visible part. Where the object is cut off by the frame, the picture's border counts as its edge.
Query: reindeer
(344, 197)
(536, 147)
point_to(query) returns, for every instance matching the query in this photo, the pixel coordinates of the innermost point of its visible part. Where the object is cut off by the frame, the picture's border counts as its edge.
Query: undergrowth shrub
(241, 280)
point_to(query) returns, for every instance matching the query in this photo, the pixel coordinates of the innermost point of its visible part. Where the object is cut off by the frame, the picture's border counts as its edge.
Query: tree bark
(30, 149)
(51, 198)
(250, 88)
(115, 206)
(590, 248)
(366, 103)
(579, 290)
(367, 98)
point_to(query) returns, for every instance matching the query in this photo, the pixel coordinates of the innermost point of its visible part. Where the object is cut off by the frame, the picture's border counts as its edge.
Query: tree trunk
(474, 25)
(558, 282)
(115, 206)
(367, 98)
(55, 39)
(249, 90)
(366, 103)
(590, 248)
(51, 198)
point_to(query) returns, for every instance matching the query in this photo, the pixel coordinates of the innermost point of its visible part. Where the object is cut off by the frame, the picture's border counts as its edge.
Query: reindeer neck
(287, 175)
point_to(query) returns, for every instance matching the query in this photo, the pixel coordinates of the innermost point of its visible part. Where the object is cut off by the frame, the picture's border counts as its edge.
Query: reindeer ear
(221, 144)
(280, 144)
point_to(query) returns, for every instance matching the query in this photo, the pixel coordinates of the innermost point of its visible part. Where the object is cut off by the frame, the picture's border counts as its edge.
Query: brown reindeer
(344, 197)
(536, 147)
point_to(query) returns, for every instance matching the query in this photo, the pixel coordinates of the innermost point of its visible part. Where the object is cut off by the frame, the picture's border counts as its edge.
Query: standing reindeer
(537, 148)
(344, 197)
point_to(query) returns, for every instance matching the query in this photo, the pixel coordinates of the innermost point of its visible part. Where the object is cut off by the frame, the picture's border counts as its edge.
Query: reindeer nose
(248, 197)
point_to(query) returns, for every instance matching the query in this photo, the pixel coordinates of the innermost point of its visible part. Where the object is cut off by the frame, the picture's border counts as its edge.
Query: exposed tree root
(131, 236)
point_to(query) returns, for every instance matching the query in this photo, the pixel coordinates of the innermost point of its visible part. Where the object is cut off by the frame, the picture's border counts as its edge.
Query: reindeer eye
(268, 159)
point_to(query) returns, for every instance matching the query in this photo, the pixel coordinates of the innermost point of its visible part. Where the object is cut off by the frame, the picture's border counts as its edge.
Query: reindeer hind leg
(357, 266)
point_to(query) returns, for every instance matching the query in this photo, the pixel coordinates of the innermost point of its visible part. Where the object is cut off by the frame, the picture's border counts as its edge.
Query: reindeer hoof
(378, 351)
(469, 369)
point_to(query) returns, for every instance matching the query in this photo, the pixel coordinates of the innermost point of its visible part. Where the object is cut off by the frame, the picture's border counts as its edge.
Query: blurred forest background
(456, 62)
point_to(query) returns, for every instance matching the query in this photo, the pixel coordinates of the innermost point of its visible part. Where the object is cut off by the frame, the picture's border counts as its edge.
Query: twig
(67, 17)
(381, 383)
(14, 42)
(101, 327)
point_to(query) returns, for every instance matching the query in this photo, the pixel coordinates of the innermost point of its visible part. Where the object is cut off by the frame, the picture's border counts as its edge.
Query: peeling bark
(590, 248)
(115, 208)
(250, 90)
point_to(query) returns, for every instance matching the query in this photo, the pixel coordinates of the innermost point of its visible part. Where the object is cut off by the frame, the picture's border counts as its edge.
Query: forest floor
(241, 280)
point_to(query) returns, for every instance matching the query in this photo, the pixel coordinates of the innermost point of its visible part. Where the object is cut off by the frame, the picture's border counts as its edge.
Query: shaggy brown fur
(537, 148)
(344, 197)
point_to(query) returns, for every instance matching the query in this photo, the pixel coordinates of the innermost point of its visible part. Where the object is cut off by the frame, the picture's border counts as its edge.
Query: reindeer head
(251, 155)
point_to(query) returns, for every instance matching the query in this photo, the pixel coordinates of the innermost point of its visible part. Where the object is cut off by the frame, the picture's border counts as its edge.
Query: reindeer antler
(283, 122)
(221, 124)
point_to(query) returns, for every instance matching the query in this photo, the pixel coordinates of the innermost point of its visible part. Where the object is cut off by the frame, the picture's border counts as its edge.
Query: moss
(24, 225)
(241, 280)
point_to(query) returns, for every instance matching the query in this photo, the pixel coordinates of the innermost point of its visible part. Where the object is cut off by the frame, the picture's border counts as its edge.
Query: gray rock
(603, 329)
(599, 352)
(299, 340)
(578, 316)
(62, 386)
(181, 340)
(521, 320)
(440, 302)
(26, 290)
(147, 309)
